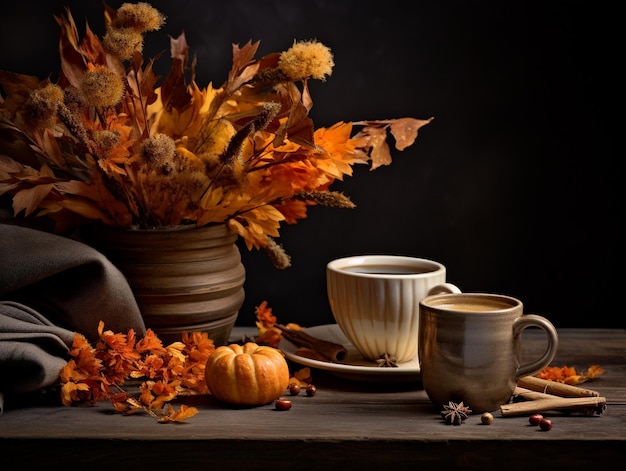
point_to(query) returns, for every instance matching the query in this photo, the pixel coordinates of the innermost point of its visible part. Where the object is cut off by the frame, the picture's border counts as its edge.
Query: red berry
(545, 424)
(282, 404)
(535, 419)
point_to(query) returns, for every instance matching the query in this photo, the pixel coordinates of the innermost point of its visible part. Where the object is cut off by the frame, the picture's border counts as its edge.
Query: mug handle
(533, 320)
(444, 288)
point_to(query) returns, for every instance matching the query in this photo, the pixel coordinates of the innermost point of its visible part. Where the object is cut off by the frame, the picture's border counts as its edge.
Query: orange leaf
(303, 374)
(179, 415)
(568, 374)
(594, 371)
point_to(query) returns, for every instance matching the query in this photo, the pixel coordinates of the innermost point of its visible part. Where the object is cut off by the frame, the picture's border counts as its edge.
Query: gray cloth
(51, 287)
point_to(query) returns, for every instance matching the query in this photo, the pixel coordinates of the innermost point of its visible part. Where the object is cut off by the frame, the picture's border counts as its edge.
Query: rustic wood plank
(346, 423)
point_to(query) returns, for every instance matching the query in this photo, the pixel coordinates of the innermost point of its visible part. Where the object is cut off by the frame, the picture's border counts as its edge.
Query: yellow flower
(307, 59)
(138, 16)
(42, 106)
(123, 42)
(102, 87)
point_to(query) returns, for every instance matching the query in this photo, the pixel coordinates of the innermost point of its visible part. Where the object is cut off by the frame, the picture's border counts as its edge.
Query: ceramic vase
(184, 278)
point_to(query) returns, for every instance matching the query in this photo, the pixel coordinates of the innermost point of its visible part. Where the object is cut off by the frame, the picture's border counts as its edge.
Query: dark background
(513, 186)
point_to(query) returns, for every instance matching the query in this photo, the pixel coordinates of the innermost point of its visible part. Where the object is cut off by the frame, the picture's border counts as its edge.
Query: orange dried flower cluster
(95, 374)
(569, 375)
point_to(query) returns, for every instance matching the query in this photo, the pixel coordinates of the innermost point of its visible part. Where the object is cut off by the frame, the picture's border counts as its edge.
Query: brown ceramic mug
(470, 348)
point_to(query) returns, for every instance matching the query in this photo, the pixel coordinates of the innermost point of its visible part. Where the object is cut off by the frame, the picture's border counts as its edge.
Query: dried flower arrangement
(111, 143)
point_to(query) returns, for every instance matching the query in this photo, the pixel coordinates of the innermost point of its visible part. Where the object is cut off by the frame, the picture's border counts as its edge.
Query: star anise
(387, 360)
(455, 414)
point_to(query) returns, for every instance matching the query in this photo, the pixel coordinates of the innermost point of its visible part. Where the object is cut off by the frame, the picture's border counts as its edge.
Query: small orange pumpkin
(246, 375)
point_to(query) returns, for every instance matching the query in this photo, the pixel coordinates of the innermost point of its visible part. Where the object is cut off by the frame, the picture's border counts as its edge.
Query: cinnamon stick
(330, 350)
(530, 395)
(586, 405)
(554, 387)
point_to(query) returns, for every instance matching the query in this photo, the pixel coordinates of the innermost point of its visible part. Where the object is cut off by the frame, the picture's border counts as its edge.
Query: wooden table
(346, 425)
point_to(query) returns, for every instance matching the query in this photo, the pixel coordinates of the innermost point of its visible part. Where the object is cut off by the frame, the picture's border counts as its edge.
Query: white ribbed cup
(375, 301)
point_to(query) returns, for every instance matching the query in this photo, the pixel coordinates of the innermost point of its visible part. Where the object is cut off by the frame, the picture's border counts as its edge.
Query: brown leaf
(404, 130)
(299, 127)
(179, 49)
(72, 62)
(307, 100)
(302, 132)
(14, 143)
(243, 69)
(11, 170)
(30, 198)
(92, 49)
(174, 89)
(52, 148)
(377, 140)
(17, 88)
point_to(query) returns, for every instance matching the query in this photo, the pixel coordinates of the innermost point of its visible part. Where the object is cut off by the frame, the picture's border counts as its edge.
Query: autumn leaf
(270, 335)
(174, 89)
(594, 371)
(569, 375)
(299, 127)
(30, 198)
(380, 153)
(17, 88)
(301, 377)
(404, 130)
(303, 374)
(173, 415)
(98, 373)
(72, 61)
(242, 69)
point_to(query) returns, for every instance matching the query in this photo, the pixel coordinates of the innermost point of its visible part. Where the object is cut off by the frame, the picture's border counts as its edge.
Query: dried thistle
(40, 108)
(277, 254)
(158, 149)
(102, 87)
(123, 43)
(326, 198)
(138, 16)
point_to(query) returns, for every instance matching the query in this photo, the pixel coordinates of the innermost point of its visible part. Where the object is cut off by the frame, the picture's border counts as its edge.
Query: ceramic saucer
(354, 366)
